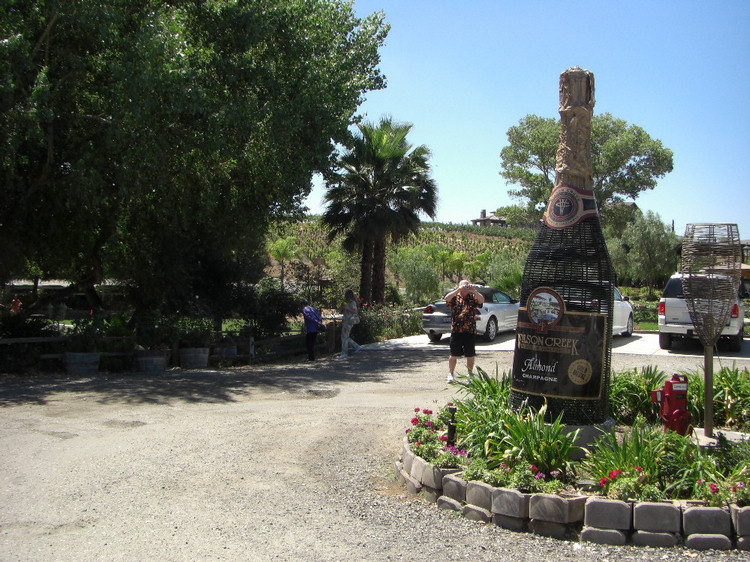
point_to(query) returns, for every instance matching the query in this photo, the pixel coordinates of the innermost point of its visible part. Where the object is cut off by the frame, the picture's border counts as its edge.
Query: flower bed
(578, 517)
(524, 472)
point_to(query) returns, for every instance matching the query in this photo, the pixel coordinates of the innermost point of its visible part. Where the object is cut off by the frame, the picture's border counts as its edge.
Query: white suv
(675, 321)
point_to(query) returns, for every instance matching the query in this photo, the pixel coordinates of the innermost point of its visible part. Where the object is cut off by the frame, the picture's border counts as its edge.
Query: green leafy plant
(731, 397)
(428, 440)
(156, 332)
(378, 323)
(713, 494)
(625, 396)
(451, 457)
(476, 470)
(524, 477)
(627, 487)
(739, 484)
(630, 394)
(528, 438)
(731, 403)
(196, 332)
(634, 453)
(482, 408)
(86, 335)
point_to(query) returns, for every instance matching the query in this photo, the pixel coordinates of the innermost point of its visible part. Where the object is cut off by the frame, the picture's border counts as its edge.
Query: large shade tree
(376, 194)
(647, 251)
(625, 162)
(154, 141)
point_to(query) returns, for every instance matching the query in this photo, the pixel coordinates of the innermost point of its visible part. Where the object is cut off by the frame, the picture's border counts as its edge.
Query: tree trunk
(365, 276)
(378, 271)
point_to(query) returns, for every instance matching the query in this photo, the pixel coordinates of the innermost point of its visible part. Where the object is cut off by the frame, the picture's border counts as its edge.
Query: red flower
(533, 469)
(603, 482)
(444, 438)
(419, 444)
(614, 474)
(427, 411)
(414, 421)
(638, 468)
(416, 410)
(713, 487)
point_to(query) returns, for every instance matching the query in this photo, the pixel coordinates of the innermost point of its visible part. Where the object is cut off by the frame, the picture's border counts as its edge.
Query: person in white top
(350, 319)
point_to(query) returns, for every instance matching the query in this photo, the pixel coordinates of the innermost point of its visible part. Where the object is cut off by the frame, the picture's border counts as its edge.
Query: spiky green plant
(526, 437)
(483, 405)
(630, 394)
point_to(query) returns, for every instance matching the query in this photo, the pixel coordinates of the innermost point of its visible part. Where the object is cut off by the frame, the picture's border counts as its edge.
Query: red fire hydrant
(672, 400)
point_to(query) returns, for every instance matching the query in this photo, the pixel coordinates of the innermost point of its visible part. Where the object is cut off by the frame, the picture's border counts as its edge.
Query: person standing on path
(463, 302)
(350, 319)
(313, 323)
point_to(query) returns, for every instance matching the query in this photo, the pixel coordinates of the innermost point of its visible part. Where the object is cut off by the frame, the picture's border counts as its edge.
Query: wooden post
(708, 390)
(331, 336)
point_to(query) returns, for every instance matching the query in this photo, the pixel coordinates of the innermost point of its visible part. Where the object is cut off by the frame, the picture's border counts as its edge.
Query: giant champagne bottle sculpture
(563, 344)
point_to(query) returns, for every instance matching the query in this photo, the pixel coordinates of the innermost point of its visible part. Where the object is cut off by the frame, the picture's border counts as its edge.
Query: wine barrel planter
(151, 360)
(225, 350)
(81, 363)
(194, 357)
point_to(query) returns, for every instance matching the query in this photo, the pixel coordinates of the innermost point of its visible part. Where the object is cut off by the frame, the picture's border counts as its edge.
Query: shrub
(644, 452)
(527, 439)
(731, 397)
(86, 335)
(379, 323)
(19, 326)
(21, 357)
(195, 332)
(644, 311)
(428, 440)
(484, 404)
(630, 394)
(731, 404)
(626, 487)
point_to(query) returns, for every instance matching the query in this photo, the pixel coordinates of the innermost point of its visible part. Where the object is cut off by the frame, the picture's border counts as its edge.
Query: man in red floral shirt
(463, 302)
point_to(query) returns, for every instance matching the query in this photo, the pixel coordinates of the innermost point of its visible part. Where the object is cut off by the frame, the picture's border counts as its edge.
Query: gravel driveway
(279, 462)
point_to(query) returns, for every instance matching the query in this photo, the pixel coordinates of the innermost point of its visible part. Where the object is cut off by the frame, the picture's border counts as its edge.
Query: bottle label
(558, 353)
(568, 206)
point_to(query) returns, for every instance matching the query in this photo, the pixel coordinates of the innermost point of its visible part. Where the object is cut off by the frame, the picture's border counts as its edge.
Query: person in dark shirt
(463, 302)
(313, 323)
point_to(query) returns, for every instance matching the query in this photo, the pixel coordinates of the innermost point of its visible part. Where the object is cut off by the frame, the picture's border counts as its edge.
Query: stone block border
(586, 518)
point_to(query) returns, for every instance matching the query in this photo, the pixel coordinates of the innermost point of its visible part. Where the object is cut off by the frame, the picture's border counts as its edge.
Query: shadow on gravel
(373, 364)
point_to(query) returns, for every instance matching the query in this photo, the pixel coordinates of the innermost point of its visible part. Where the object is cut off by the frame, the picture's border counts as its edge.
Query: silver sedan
(499, 313)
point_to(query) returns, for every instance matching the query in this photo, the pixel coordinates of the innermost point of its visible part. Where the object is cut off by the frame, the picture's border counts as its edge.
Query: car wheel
(435, 337)
(629, 331)
(491, 331)
(735, 342)
(665, 341)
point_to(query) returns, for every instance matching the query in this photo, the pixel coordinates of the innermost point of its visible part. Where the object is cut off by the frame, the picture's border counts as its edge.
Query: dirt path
(282, 462)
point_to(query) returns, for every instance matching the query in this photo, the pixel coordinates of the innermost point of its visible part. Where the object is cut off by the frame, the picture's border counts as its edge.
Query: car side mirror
(626, 299)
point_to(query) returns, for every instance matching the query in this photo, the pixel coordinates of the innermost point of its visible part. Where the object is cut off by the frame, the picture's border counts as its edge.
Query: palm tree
(380, 186)
(283, 250)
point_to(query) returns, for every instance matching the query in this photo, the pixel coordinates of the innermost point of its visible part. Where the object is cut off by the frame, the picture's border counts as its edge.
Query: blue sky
(463, 73)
